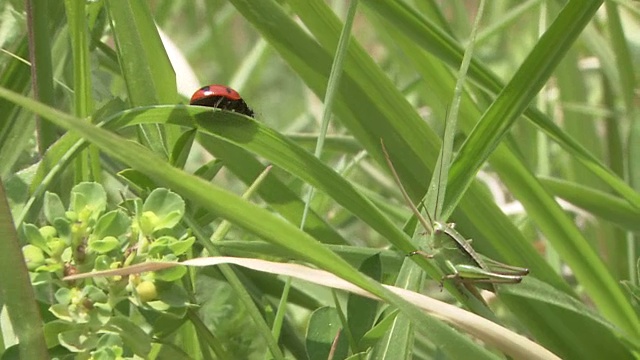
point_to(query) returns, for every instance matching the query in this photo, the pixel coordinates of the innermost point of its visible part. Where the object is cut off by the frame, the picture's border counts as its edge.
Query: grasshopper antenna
(423, 221)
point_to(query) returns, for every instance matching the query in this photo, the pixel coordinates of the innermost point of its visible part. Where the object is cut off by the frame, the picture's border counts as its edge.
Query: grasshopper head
(440, 227)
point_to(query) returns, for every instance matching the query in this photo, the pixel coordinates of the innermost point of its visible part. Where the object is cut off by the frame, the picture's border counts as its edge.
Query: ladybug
(221, 97)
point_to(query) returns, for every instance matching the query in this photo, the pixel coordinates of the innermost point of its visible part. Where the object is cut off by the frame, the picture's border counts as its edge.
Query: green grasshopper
(454, 253)
(466, 266)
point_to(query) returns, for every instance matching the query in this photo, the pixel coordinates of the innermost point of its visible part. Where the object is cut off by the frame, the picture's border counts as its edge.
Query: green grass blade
(598, 203)
(451, 126)
(518, 94)
(575, 250)
(38, 24)
(16, 292)
(425, 34)
(276, 193)
(148, 75)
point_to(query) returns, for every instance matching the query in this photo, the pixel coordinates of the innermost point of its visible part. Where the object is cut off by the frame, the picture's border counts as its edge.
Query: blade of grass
(218, 236)
(599, 203)
(424, 33)
(205, 336)
(332, 89)
(518, 94)
(276, 193)
(15, 128)
(451, 126)
(38, 26)
(626, 67)
(83, 102)
(15, 289)
(145, 66)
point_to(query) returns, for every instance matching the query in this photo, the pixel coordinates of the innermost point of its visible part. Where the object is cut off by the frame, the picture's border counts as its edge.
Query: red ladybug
(221, 97)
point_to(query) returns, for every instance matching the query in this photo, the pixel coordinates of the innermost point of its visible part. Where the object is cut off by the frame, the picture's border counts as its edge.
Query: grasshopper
(454, 254)
(466, 266)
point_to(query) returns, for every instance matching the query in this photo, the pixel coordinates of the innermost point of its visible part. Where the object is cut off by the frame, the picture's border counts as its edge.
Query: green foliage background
(550, 108)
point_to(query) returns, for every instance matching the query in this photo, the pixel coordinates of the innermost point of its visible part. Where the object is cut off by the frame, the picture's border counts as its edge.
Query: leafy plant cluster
(95, 316)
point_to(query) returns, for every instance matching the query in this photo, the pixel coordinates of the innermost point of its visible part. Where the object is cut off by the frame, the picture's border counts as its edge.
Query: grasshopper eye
(440, 227)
